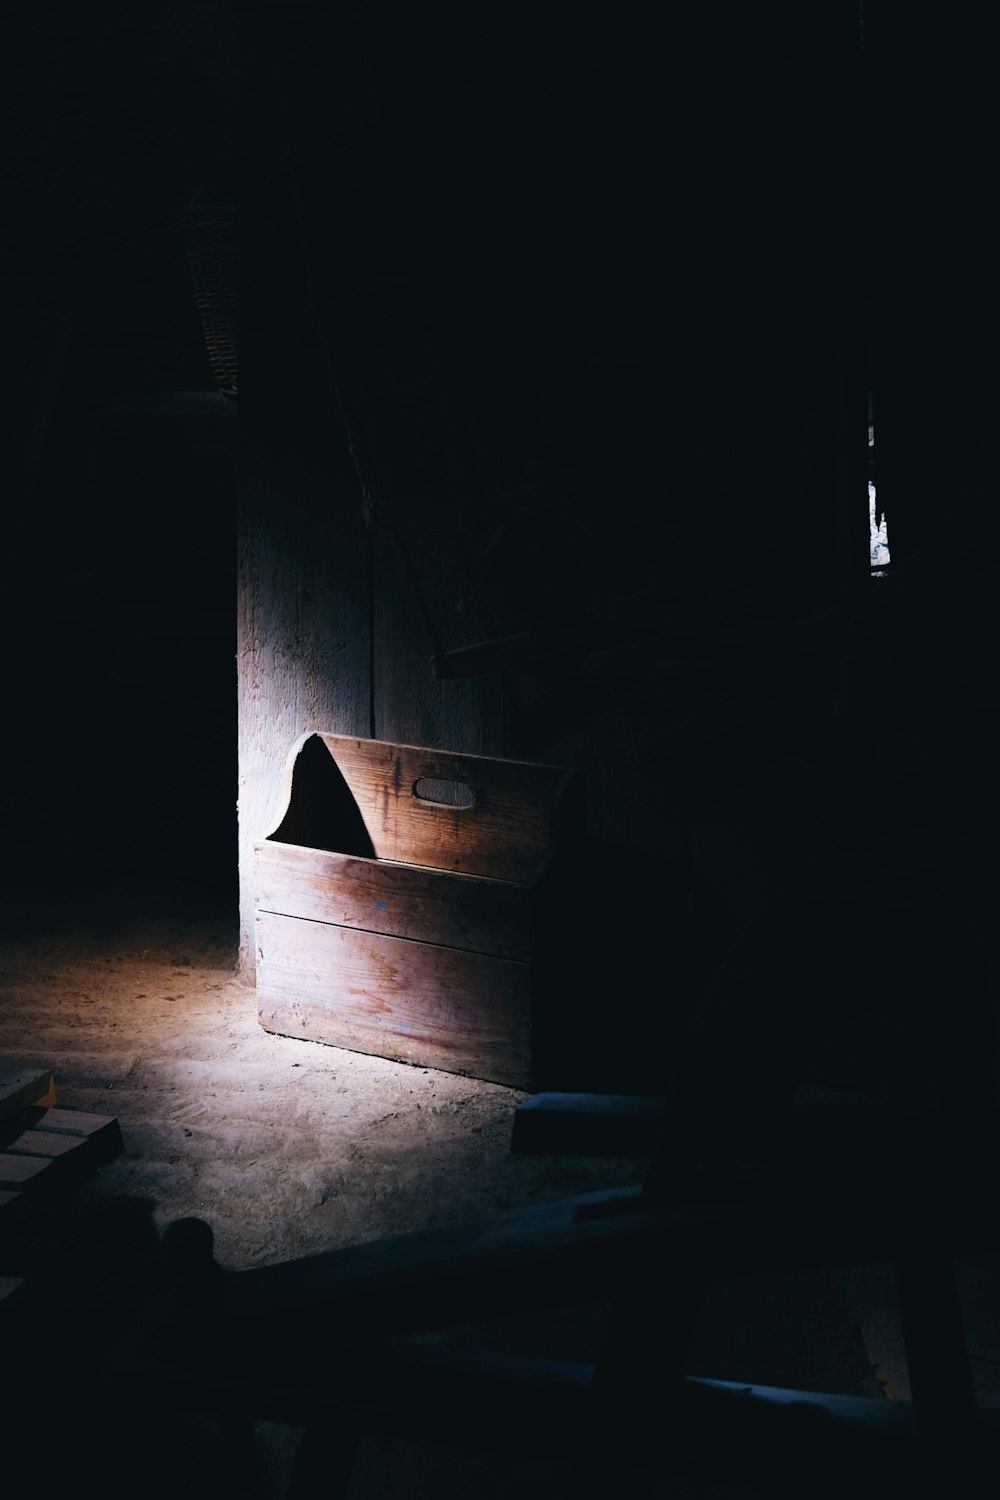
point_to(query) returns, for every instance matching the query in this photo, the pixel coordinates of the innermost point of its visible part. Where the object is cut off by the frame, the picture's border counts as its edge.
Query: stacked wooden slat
(42, 1147)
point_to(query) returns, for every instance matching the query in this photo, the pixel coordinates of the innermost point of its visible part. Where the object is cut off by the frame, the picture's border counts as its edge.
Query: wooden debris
(47, 1144)
(102, 1132)
(21, 1172)
(40, 1147)
(21, 1087)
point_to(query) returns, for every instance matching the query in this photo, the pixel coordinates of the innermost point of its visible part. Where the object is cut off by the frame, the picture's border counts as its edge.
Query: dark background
(716, 215)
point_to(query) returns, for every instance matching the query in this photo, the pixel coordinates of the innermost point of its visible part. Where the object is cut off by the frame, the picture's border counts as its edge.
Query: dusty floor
(286, 1147)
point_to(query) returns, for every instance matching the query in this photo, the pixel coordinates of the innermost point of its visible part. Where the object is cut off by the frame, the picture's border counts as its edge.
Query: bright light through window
(878, 533)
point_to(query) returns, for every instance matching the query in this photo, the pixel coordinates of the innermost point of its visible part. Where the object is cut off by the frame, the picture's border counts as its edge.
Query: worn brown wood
(20, 1087)
(303, 611)
(412, 701)
(102, 1132)
(422, 556)
(414, 1002)
(505, 834)
(428, 945)
(405, 901)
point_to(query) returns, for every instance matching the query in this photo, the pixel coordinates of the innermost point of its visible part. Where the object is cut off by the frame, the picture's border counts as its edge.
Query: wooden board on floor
(22, 1172)
(21, 1087)
(47, 1144)
(102, 1132)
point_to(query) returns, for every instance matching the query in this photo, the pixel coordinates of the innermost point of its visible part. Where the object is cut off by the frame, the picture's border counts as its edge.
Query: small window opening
(877, 528)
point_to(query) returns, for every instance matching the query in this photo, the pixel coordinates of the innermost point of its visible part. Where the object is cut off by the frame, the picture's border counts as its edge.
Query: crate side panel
(411, 1002)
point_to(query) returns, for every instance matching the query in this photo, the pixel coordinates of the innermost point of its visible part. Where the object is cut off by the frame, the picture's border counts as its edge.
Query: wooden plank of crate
(413, 1002)
(504, 831)
(103, 1132)
(20, 1087)
(407, 901)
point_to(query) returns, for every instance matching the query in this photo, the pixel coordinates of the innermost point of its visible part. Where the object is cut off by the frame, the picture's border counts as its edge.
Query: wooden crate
(408, 903)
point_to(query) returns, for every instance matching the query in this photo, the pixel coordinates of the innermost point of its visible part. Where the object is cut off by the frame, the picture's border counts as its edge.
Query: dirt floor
(287, 1147)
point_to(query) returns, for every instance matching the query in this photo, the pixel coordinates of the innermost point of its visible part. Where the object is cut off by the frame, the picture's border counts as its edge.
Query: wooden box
(408, 904)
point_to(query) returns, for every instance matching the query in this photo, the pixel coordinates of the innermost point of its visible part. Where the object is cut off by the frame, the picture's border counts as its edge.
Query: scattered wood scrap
(20, 1087)
(41, 1146)
(102, 1133)
(45, 1149)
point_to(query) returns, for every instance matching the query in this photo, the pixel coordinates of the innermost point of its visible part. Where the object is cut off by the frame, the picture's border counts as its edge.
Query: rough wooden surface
(406, 901)
(411, 1002)
(20, 1087)
(412, 703)
(303, 635)
(504, 831)
(101, 1132)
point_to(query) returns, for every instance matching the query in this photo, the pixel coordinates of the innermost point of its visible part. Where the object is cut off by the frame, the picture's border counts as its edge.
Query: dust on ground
(285, 1147)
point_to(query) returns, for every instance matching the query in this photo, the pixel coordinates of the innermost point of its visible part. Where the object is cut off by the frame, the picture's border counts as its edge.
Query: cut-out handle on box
(440, 793)
(448, 810)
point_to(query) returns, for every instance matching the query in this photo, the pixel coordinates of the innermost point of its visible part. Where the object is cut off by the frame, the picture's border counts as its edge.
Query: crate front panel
(408, 1001)
(406, 901)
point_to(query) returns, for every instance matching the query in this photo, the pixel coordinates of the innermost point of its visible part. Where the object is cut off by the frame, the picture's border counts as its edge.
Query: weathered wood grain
(412, 702)
(421, 546)
(405, 901)
(412, 1002)
(102, 1132)
(303, 613)
(506, 834)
